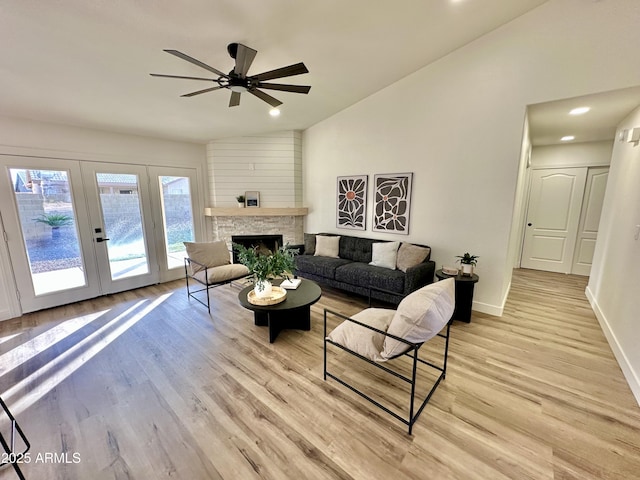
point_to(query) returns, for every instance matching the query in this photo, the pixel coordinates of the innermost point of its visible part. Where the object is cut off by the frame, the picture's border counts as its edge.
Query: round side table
(464, 294)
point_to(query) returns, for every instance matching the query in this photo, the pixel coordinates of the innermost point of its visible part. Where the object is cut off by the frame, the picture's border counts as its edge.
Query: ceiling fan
(237, 79)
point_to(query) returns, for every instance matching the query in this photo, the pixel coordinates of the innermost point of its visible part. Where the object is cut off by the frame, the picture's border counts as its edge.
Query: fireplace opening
(264, 244)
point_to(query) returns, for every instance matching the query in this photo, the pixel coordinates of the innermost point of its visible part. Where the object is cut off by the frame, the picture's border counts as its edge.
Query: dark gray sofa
(352, 272)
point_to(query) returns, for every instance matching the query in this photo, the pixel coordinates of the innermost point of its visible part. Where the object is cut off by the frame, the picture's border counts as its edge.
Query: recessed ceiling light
(274, 112)
(579, 111)
(567, 138)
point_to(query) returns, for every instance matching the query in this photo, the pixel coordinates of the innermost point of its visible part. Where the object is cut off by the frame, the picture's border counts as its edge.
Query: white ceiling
(550, 121)
(87, 62)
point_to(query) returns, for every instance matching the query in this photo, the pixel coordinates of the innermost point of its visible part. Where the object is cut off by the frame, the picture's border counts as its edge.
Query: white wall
(30, 138)
(458, 125)
(26, 137)
(614, 284)
(270, 164)
(518, 216)
(587, 154)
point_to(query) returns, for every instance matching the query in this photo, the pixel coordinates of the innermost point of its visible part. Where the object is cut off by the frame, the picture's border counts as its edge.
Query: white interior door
(552, 218)
(122, 225)
(47, 230)
(589, 220)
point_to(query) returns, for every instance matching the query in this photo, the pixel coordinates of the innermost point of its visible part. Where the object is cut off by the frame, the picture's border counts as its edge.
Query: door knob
(529, 224)
(100, 239)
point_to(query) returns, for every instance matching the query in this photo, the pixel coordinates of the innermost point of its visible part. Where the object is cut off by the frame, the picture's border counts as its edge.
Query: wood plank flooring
(146, 385)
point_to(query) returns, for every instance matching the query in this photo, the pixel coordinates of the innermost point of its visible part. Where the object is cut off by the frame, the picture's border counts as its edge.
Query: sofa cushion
(327, 246)
(356, 248)
(359, 339)
(384, 254)
(365, 275)
(410, 255)
(420, 316)
(320, 266)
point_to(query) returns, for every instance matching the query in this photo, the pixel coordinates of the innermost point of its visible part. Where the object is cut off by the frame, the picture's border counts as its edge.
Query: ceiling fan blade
(291, 70)
(244, 59)
(201, 91)
(235, 99)
(180, 76)
(189, 59)
(285, 88)
(274, 102)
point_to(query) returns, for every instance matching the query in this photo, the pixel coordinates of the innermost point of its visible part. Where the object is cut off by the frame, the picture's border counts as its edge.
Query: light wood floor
(146, 385)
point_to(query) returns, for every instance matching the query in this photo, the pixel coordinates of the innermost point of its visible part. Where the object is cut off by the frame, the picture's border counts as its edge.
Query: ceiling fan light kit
(237, 79)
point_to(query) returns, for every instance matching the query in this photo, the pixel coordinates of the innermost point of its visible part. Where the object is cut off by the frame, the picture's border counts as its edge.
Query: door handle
(528, 224)
(100, 239)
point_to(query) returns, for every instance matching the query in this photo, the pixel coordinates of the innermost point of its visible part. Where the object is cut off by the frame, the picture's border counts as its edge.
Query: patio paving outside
(56, 264)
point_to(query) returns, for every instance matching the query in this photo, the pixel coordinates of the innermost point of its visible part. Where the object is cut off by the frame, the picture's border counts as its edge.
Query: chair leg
(413, 388)
(324, 339)
(446, 352)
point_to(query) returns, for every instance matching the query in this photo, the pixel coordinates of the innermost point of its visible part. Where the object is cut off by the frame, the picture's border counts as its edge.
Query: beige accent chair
(208, 263)
(378, 336)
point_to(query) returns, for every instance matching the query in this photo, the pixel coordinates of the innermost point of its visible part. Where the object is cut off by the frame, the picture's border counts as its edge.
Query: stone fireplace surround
(291, 227)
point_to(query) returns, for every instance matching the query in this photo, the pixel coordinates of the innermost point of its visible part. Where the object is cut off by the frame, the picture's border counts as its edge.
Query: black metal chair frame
(207, 286)
(13, 457)
(412, 351)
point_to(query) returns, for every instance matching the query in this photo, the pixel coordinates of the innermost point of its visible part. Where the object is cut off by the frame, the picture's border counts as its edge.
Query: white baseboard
(632, 377)
(495, 310)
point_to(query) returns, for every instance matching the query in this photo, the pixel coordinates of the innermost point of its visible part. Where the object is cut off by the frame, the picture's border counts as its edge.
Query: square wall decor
(392, 202)
(352, 202)
(252, 199)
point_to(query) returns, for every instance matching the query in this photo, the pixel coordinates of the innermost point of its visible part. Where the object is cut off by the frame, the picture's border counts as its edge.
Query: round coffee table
(294, 312)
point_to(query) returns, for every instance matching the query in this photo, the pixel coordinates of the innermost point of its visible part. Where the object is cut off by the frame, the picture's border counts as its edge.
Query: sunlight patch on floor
(46, 378)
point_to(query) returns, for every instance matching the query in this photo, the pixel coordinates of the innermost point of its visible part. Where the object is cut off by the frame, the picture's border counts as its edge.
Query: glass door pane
(177, 217)
(175, 190)
(48, 234)
(122, 225)
(123, 228)
(49, 229)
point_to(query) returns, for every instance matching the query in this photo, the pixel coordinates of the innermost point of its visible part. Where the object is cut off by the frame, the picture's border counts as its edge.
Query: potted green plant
(55, 221)
(467, 262)
(266, 267)
(240, 200)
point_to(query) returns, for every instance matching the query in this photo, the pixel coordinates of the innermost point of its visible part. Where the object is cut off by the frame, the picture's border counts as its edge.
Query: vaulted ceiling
(87, 63)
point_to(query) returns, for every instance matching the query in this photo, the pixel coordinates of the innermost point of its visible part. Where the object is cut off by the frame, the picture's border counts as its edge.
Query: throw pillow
(384, 254)
(210, 254)
(222, 273)
(359, 339)
(327, 246)
(420, 316)
(410, 255)
(309, 243)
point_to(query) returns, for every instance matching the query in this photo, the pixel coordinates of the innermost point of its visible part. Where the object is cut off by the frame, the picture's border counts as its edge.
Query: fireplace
(264, 244)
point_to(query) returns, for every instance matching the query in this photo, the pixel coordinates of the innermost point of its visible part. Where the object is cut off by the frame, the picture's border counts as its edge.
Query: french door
(121, 225)
(77, 230)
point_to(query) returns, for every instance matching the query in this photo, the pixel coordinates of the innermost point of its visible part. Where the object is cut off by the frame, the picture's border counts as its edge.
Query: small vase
(240, 204)
(467, 269)
(262, 288)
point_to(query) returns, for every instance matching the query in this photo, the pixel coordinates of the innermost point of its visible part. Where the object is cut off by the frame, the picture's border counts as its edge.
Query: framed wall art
(352, 202)
(392, 202)
(252, 199)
